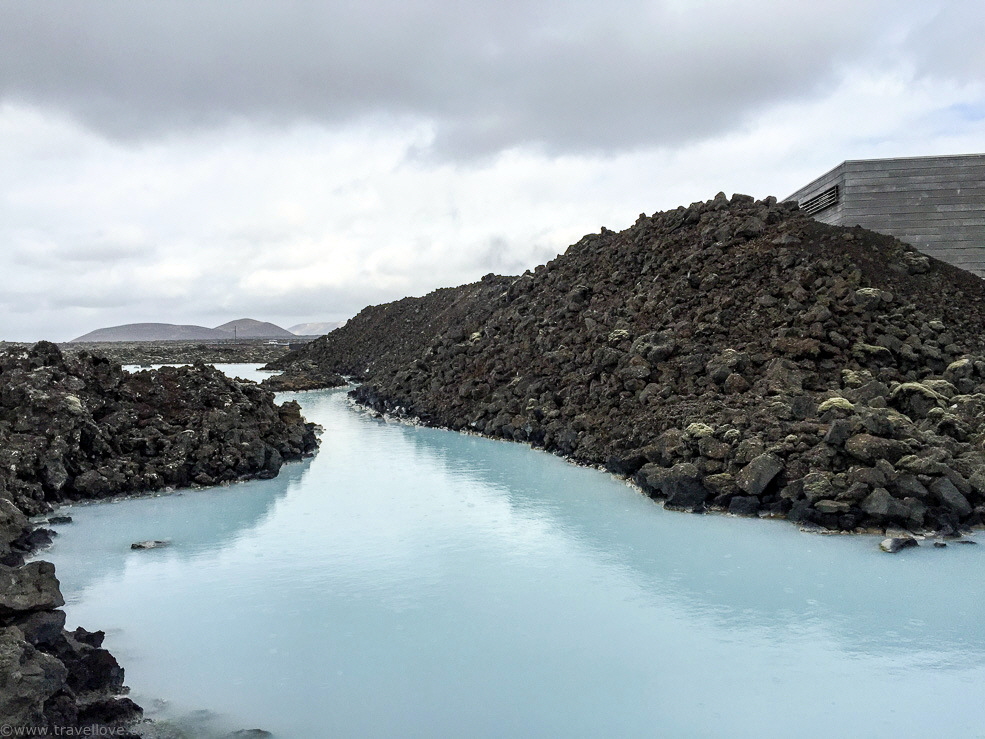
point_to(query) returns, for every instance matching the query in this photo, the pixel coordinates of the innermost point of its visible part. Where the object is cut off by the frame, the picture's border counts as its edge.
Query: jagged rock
(916, 399)
(838, 433)
(816, 486)
(306, 376)
(896, 544)
(114, 712)
(871, 449)
(32, 587)
(755, 476)
(684, 489)
(28, 678)
(41, 627)
(14, 526)
(744, 505)
(831, 506)
(79, 427)
(150, 544)
(681, 485)
(950, 497)
(880, 504)
(908, 486)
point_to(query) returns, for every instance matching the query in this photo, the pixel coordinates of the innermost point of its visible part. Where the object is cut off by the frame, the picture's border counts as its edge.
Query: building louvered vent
(820, 202)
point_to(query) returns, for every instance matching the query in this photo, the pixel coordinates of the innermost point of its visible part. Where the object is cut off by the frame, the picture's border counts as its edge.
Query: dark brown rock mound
(80, 427)
(303, 375)
(393, 335)
(830, 375)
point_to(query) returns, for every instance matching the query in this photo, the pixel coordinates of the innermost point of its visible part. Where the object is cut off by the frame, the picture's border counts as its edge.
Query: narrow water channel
(417, 582)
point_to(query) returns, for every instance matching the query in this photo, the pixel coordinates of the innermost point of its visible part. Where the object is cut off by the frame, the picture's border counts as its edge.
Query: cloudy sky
(194, 161)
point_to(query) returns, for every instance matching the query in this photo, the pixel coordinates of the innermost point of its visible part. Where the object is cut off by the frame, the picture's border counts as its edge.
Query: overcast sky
(197, 162)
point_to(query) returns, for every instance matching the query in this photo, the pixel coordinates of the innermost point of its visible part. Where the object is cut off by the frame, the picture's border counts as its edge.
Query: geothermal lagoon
(417, 582)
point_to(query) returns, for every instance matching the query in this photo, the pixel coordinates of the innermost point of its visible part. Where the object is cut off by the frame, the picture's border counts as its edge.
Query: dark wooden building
(937, 204)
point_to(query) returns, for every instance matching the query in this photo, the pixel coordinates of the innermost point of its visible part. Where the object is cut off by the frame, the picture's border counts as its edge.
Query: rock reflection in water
(414, 582)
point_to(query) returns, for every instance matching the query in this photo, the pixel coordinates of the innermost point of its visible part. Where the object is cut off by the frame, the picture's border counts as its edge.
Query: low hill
(244, 328)
(248, 328)
(153, 332)
(733, 355)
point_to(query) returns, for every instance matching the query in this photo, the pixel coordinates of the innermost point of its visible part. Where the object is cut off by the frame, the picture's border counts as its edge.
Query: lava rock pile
(79, 427)
(734, 355)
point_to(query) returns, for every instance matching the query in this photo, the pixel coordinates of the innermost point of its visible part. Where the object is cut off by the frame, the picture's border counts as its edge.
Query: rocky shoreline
(733, 355)
(183, 352)
(79, 428)
(145, 353)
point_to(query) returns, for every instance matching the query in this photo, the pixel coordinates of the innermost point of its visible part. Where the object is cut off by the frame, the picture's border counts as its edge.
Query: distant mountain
(247, 328)
(315, 329)
(153, 332)
(244, 328)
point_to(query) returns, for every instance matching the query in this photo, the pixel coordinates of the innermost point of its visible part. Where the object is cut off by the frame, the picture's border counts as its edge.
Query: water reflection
(414, 582)
(194, 521)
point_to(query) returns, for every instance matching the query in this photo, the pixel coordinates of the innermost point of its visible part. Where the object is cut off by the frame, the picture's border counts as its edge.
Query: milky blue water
(421, 583)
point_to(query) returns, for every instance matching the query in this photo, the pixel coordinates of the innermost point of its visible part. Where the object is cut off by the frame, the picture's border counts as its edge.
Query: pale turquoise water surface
(416, 582)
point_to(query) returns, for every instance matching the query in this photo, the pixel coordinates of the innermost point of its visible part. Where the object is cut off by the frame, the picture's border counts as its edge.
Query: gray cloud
(195, 161)
(566, 76)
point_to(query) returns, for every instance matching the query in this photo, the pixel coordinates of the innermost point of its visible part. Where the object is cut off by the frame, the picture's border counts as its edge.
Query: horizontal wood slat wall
(937, 204)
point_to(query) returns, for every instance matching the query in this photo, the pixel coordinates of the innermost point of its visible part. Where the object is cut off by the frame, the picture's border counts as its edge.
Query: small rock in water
(895, 544)
(940, 544)
(55, 520)
(965, 541)
(248, 733)
(150, 544)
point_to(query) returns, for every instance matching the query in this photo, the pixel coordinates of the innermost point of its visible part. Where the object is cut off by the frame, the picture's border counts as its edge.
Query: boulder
(884, 507)
(760, 472)
(816, 486)
(868, 298)
(14, 526)
(41, 627)
(744, 505)
(897, 544)
(908, 486)
(28, 678)
(150, 544)
(32, 587)
(831, 506)
(915, 399)
(871, 449)
(950, 497)
(684, 490)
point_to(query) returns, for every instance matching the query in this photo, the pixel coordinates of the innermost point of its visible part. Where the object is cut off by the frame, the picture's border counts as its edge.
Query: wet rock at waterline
(79, 427)
(303, 376)
(897, 544)
(31, 587)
